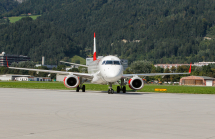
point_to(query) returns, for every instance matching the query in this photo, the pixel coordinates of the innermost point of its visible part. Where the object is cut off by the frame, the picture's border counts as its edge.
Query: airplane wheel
(118, 89)
(77, 89)
(124, 89)
(110, 91)
(83, 88)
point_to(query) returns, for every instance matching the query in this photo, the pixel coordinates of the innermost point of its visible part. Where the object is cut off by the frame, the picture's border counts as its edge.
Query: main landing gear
(81, 86)
(123, 89)
(122, 86)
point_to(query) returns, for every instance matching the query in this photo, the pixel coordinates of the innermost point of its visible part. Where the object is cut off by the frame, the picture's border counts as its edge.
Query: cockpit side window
(116, 62)
(103, 62)
(109, 62)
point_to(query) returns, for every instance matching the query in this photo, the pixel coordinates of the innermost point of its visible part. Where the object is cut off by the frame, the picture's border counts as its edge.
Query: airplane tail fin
(94, 47)
(190, 68)
(7, 62)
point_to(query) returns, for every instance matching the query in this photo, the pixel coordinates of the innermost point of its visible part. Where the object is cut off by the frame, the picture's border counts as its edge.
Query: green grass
(17, 18)
(180, 89)
(147, 88)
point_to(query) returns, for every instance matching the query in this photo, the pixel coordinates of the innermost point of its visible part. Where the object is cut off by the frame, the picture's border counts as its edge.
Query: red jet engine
(136, 83)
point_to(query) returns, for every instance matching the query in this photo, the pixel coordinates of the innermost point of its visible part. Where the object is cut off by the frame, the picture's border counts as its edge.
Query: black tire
(118, 89)
(77, 89)
(124, 89)
(83, 88)
(108, 91)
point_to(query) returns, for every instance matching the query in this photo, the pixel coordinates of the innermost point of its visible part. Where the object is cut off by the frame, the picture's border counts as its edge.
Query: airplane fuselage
(106, 70)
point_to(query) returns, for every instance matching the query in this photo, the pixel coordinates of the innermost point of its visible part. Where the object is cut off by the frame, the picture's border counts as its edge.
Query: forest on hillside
(7, 5)
(161, 31)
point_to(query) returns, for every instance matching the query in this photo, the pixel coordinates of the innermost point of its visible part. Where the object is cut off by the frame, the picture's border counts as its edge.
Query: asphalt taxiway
(64, 114)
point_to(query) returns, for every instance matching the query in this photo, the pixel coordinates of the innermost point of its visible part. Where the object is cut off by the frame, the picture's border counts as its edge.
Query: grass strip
(17, 18)
(97, 87)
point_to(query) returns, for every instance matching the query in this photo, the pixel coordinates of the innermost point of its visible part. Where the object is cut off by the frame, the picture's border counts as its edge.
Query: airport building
(43, 64)
(197, 64)
(12, 77)
(197, 80)
(11, 58)
(169, 66)
(60, 77)
(124, 63)
(90, 59)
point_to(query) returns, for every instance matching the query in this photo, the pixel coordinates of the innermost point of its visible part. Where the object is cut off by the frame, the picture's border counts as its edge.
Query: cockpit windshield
(111, 62)
(108, 62)
(116, 63)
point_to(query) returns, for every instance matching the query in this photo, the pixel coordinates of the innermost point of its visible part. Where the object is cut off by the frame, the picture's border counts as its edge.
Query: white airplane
(105, 70)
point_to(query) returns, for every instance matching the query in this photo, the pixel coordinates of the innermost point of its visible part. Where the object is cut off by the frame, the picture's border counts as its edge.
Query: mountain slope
(169, 31)
(7, 5)
(36, 39)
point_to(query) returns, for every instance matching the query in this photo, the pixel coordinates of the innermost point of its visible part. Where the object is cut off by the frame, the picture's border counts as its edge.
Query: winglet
(7, 63)
(190, 68)
(94, 47)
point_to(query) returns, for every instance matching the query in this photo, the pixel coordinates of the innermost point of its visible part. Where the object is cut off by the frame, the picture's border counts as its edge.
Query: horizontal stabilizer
(74, 64)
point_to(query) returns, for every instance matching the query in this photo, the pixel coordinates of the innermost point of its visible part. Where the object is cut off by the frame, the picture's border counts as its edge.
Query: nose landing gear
(110, 91)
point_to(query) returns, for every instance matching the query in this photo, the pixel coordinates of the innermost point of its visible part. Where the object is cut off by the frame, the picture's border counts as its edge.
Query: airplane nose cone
(112, 74)
(113, 78)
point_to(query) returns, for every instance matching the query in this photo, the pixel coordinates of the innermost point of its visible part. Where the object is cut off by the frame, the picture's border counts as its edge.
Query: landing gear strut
(110, 90)
(81, 86)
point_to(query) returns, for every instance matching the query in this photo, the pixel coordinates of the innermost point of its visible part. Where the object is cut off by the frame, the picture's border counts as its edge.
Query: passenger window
(116, 62)
(109, 62)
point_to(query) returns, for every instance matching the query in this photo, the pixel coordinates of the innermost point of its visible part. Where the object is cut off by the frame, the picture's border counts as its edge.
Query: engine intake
(71, 81)
(136, 83)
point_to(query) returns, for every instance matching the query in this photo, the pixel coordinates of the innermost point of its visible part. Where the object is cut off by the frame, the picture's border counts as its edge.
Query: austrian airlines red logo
(94, 51)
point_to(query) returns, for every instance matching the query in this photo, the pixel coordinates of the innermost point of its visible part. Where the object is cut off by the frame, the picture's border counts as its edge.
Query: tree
(61, 68)
(82, 69)
(166, 77)
(128, 71)
(142, 66)
(42, 74)
(24, 64)
(173, 69)
(73, 70)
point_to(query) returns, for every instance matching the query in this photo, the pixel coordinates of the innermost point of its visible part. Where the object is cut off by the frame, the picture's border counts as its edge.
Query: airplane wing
(155, 74)
(85, 75)
(74, 64)
(150, 74)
